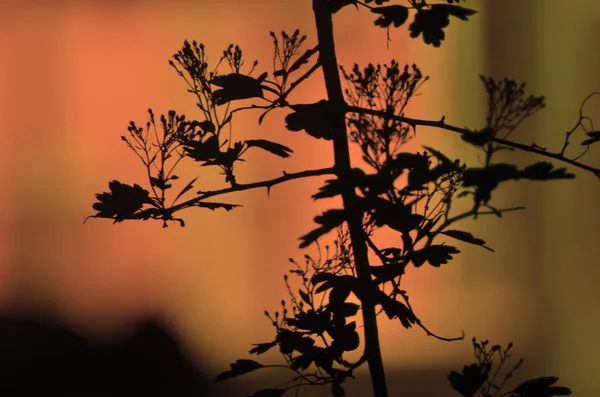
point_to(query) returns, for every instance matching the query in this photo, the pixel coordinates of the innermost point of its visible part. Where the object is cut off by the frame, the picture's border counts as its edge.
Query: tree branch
(533, 148)
(241, 187)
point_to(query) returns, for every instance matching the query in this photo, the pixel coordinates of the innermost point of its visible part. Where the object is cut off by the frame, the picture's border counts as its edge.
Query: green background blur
(74, 73)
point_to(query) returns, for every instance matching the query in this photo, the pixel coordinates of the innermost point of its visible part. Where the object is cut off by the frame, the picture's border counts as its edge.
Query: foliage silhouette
(315, 329)
(40, 358)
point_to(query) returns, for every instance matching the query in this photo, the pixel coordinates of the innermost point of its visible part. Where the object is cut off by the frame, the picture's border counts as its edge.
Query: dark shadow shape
(38, 358)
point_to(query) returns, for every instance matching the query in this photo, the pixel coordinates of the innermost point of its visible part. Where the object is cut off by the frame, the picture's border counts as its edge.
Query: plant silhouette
(40, 357)
(315, 329)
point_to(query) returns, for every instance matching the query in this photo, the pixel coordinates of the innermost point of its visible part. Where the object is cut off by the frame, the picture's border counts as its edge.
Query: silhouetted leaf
(337, 390)
(302, 60)
(270, 392)
(203, 151)
(187, 187)
(272, 147)
(302, 361)
(472, 378)
(478, 138)
(236, 86)
(431, 22)
(466, 237)
(261, 348)
(541, 387)
(122, 201)
(390, 14)
(293, 340)
(240, 367)
(315, 118)
(345, 337)
(543, 171)
(486, 179)
(214, 206)
(310, 321)
(435, 254)
(394, 308)
(329, 220)
(305, 297)
(397, 216)
(334, 187)
(207, 126)
(594, 137)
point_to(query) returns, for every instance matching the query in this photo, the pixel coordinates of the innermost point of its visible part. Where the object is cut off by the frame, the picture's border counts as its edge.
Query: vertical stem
(328, 62)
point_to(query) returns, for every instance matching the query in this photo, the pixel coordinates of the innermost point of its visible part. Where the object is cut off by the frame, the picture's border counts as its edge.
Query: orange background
(74, 73)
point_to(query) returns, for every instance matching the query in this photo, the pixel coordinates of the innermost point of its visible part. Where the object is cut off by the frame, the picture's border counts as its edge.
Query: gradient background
(74, 73)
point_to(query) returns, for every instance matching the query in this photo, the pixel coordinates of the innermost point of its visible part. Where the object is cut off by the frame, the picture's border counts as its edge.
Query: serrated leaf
(431, 22)
(271, 147)
(240, 367)
(317, 119)
(466, 237)
(121, 202)
(261, 348)
(435, 254)
(471, 379)
(236, 86)
(329, 220)
(543, 171)
(395, 14)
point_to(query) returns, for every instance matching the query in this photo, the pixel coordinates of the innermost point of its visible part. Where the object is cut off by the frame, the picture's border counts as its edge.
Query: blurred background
(74, 73)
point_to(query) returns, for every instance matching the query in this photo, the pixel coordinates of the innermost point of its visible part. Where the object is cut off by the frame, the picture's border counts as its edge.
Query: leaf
(397, 216)
(203, 151)
(435, 254)
(478, 138)
(543, 171)
(431, 22)
(187, 187)
(337, 390)
(121, 202)
(269, 392)
(272, 147)
(541, 387)
(466, 237)
(302, 59)
(329, 220)
(214, 206)
(334, 187)
(317, 119)
(396, 309)
(235, 86)
(207, 126)
(305, 297)
(240, 367)
(390, 14)
(594, 137)
(293, 340)
(261, 348)
(471, 379)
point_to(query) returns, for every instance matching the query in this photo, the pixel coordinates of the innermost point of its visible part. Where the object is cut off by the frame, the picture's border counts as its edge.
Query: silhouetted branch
(533, 148)
(254, 185)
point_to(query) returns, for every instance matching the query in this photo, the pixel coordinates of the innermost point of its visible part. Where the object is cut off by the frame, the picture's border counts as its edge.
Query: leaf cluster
(480, 378)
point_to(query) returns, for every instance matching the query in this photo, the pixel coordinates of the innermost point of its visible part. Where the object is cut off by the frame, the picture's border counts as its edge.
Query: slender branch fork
(443, 125)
